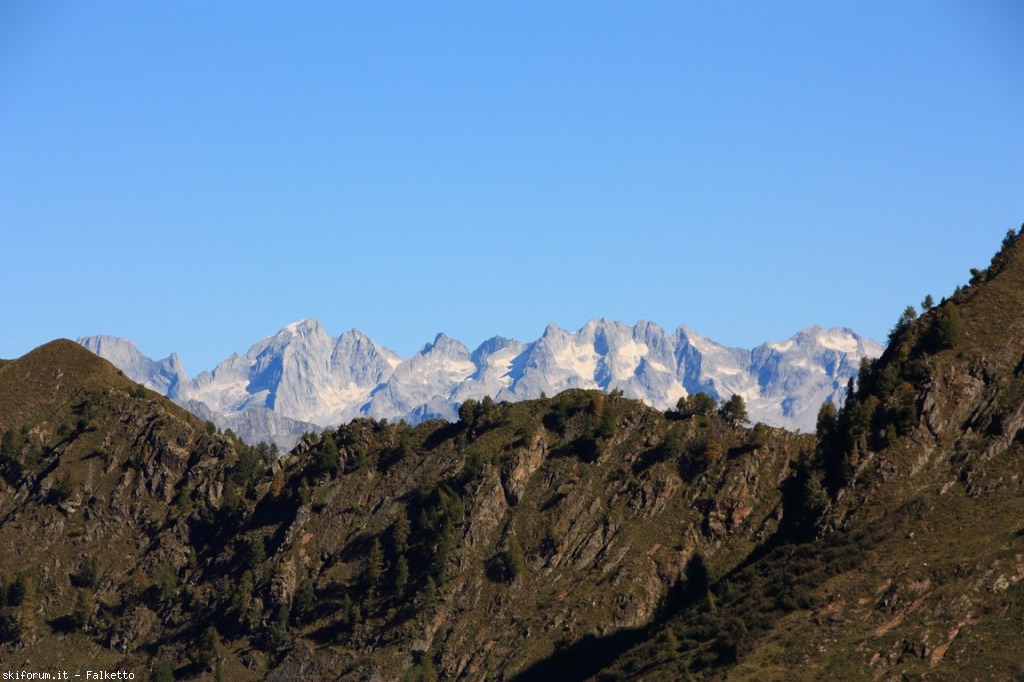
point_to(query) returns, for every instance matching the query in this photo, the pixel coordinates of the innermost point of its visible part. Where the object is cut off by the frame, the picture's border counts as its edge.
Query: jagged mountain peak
(886, 546)
(443, 343)
(304, 326)
(647, 327)
(496, 344)
(552, 329)
(355, 334)
(165, 376)
(302, 373)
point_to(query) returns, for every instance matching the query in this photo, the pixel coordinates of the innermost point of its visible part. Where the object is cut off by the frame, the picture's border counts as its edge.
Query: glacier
(302, 378)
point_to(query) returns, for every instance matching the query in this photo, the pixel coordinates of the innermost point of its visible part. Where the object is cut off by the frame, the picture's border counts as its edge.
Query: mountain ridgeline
(302, 379)
(582, 536)
(142, 539)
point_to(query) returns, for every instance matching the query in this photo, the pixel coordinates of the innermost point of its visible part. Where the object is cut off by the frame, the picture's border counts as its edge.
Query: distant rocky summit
(578, 537)
(301, 378)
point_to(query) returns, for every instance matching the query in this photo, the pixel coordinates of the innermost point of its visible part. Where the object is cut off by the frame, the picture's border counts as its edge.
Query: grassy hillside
(143, 536)
(915, 564)
(105, 486)
(584, 536)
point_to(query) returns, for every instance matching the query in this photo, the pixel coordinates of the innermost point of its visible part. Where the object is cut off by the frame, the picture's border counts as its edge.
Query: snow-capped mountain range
(302, 378)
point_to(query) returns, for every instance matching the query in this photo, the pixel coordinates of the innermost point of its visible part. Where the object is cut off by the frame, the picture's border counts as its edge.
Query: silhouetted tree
(696, 403)
(467, 411)
(735, 410)
(908, 316)
(698, 579)
(948, 327)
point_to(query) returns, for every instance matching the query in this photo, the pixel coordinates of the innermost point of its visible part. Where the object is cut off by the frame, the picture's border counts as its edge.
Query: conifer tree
(443, 553)
(826, 420)
(429, 593)
(347, 617)
(908, 316)
(162, 672)
(698, 580)
(401, 581)
(277, 486)
(242, 600)
(695, 403)
(949, 326)
(207, 647)
(29, 602)
(304, 598)
(467, 411)
(375, 563)
(327, 457)
(85, 608)
(516, 558)
(735, 410)
(400, 534)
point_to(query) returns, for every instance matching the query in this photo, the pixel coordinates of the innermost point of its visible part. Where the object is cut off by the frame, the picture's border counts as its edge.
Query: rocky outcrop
(553, 533)
(166, 377)
(301, 375)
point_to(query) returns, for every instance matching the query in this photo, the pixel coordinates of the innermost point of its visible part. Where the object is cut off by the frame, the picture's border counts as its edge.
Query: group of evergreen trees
(882, 404)
(733, 410)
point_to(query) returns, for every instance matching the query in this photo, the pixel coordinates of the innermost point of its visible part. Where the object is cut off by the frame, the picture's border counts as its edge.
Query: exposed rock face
(254, 424)
(303, 374)
(554, 533)
(914, 564)
(421, 388)
(479, 546)
(582, 536)
(99, 479)
(165, 376)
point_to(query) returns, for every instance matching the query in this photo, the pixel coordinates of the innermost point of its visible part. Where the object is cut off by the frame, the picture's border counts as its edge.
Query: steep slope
(583, 536)
(253, 424)
(166, 376)
(139, 538)
(304, 375)
(422, 387)
(112, 502)
(301, 373)
(903, 556)
(478, 548)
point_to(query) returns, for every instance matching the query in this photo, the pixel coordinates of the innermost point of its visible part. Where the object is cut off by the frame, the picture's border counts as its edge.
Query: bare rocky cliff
(582, 536)
(902, 557)
(141, 537)
(302, 376)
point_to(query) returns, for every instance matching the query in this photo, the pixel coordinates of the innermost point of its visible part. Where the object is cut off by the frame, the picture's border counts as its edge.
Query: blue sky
(196, 175)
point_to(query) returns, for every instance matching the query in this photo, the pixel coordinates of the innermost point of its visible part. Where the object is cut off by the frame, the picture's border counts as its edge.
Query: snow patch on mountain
(303, 376)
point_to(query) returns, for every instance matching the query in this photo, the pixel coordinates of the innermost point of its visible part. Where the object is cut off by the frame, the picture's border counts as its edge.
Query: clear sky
(194, 175)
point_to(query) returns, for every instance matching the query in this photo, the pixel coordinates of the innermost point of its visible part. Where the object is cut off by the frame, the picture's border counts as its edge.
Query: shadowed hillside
(911, 557)
(471, 549)
(584, 536)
